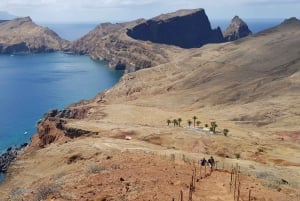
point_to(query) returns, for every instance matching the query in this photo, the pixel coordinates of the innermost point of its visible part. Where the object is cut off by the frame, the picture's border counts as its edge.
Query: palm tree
(179, 121)
(175, 122)
(189, 122)
(213, 126)
(168, 122)
(194, 118)
(198, 123)
(225, 131)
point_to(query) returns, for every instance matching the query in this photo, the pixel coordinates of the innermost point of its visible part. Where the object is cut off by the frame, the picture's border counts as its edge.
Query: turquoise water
(30, 85)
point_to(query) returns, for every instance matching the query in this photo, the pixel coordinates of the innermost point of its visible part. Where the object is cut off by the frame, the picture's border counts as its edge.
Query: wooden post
(231, 179)
(195, 176)
(239, 190)
(235, 184)
(191, 193)
(192, 183)
(200, 171)
(181, 195)
(249, 194)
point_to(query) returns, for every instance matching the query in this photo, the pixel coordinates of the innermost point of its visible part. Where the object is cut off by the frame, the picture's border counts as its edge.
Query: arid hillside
(118, 146)
(22, 35)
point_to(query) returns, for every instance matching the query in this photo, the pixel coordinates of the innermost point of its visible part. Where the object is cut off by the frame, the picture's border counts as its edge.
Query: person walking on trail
(203, 162)
(211, 162)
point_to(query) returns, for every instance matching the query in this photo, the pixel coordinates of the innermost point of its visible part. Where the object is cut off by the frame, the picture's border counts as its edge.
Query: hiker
(203, 162)
(211, 162)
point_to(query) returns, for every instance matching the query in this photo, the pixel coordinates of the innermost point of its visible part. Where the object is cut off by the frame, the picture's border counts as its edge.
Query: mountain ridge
(22, 35)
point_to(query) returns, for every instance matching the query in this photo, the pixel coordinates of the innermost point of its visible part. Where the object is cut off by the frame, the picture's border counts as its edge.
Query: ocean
(30, 85)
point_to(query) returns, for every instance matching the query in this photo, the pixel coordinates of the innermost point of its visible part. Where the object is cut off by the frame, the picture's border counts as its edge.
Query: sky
(125, 10)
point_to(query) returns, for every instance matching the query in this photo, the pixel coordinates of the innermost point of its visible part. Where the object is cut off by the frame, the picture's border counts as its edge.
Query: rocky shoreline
(9, 156)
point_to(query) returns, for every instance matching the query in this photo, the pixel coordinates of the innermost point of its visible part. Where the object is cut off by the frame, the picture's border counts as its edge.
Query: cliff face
(236, 30)
(117, 44)
(21, 35)
(184, 28)
(109, 42)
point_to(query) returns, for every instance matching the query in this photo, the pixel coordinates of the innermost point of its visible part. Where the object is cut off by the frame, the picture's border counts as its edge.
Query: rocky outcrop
(109, 42)
(117, 44)
(9, 156)
(22, 35)
(183, 28)
(236, 30)
(52, 128)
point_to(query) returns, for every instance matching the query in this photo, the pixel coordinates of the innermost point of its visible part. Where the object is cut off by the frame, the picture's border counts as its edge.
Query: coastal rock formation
(117, 44)
(52, 127)
(22, 35)
(109, 42)
(9, 156)
(183, 28)
(236, 30)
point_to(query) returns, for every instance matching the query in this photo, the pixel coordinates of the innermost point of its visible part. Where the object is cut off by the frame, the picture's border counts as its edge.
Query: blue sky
(124, 10)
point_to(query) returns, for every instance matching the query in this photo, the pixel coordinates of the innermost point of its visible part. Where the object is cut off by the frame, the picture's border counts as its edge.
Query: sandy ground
(100, 168)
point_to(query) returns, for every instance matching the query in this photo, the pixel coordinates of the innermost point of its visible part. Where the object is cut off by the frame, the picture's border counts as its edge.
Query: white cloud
(116, 10)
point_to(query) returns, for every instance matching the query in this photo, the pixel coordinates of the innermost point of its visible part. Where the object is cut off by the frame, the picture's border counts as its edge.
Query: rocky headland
(236, 30)
(109, 42)
(9, 156)
(22, 35)
(129, 46)
(118, 145)
(183, 28)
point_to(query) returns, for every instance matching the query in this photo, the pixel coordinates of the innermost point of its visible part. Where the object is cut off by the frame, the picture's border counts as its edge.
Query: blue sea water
(32, 84)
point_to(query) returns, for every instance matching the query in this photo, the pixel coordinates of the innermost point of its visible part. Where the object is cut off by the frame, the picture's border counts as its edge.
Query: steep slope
(109, 42)
(112, 42)
(236, 30)
(21, 35)
(183, 28)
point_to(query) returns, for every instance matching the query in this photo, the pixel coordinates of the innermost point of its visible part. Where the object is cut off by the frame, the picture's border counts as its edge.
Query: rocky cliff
(183, 28)
(22, 35)
(118, 44)
(236, 30)
(109, 42)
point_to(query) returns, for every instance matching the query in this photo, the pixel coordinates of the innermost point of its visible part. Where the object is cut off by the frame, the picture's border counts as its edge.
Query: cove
(30, 85)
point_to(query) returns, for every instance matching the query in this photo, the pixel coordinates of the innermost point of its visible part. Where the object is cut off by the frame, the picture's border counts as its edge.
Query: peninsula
(121, 146)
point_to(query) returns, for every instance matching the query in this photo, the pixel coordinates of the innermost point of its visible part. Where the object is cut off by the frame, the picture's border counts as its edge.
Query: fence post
(235, 177)
(181, 195)
(239, 191)
(191, 193)
(231, 179)
(200, 171)
(249, 194)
